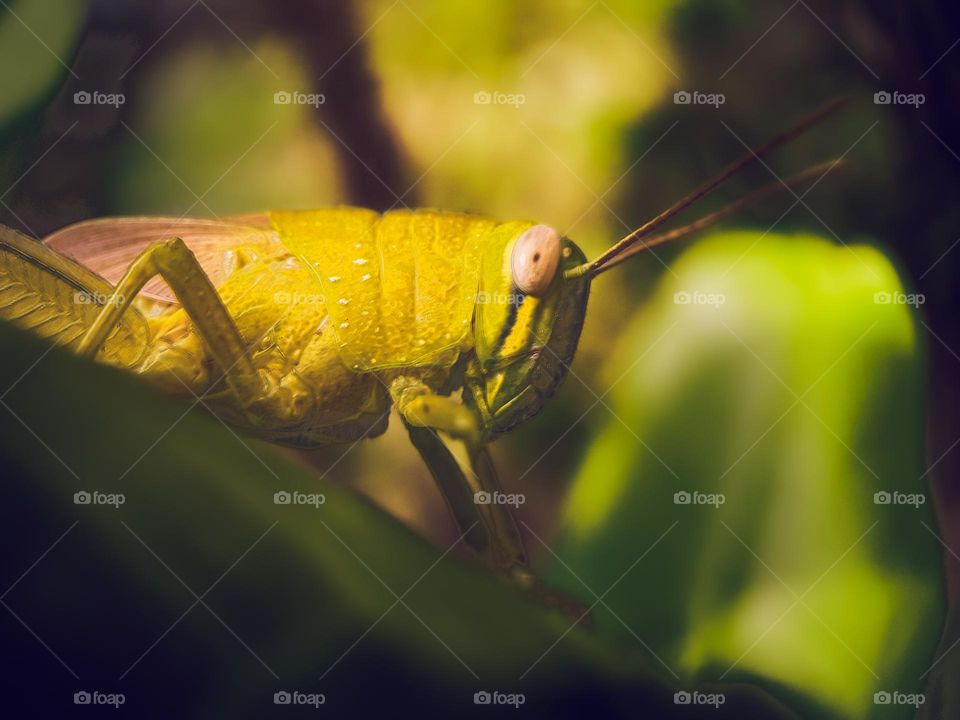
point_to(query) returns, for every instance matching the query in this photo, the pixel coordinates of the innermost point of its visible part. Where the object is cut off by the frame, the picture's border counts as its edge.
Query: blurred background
(563, 111)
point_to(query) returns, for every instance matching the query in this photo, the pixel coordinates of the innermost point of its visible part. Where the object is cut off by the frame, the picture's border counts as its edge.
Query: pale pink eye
(536, 255)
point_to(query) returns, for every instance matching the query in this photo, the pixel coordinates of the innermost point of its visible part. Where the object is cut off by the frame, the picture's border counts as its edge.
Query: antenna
(816, 171)
(728, 172)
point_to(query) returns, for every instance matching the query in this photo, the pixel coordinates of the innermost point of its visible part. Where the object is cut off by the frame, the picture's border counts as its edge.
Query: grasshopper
(305, 327)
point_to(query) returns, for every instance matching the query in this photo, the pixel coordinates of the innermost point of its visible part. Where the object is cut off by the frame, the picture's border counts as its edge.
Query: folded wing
(107, 246)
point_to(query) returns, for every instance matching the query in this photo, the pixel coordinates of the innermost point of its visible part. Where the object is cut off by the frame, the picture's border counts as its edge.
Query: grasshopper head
(527, 321)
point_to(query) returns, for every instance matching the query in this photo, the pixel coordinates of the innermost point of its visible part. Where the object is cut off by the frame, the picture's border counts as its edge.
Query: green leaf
(784, 374)
(38, 38)
(299, 591)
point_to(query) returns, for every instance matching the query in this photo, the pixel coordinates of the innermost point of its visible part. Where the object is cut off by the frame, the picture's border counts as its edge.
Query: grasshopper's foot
(548, 597)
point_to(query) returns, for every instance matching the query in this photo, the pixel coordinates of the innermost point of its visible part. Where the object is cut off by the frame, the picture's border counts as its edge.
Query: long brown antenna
(732, 169)
(757, 196)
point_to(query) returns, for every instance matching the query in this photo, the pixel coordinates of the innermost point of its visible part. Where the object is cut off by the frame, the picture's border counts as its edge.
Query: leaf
(783, 376)
(339, 598)
(38, 37)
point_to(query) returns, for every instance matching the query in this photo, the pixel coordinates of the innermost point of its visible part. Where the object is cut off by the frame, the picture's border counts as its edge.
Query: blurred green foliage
(783, 374)
(256, 155)
(35, 36)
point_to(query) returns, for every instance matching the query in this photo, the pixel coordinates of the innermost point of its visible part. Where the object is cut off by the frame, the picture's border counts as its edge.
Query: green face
(525, 341)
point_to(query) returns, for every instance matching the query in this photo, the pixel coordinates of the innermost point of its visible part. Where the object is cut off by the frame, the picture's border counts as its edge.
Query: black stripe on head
(512, 315)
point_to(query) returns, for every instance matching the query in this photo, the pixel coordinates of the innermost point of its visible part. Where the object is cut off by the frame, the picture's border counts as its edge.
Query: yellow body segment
(400, 288)
(310, 396)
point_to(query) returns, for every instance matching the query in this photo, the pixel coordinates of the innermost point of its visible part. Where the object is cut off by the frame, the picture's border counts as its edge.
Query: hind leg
(173, 261)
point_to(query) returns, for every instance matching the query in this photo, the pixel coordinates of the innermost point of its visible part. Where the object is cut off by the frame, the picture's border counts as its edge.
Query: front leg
(421, 407)
(489, 528)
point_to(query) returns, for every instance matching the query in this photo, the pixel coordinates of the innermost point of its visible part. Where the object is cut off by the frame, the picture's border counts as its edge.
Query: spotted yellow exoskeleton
(305, 327)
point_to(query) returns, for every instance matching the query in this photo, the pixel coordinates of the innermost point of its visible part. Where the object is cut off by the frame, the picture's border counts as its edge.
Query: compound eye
(536, 256)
